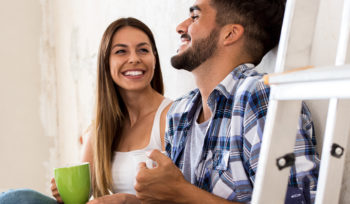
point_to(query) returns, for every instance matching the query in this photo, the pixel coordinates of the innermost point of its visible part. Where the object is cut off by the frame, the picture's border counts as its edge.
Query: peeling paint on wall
(83, 69)
(48, 96)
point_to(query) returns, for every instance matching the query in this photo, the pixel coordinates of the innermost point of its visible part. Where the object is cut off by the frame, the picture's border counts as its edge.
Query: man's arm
(165, 183)
(118, 198)
(194, 194)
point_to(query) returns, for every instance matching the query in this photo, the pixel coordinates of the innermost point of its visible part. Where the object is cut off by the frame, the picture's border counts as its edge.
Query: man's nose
(183, 26)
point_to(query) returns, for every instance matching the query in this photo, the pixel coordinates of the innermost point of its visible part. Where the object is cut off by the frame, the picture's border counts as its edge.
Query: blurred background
(48, 51)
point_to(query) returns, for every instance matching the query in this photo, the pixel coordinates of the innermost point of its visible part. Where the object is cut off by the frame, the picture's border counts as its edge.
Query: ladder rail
(344, 38)
(285, 35)
(331, 168)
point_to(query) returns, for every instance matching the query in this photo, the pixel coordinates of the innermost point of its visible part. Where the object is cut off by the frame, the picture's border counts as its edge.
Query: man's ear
(232, 33)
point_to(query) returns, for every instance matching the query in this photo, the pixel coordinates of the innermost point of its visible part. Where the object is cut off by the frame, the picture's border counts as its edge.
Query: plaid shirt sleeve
(253, 127)
(307, 162)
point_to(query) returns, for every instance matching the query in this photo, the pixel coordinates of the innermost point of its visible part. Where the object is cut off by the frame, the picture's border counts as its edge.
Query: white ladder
(301, 45)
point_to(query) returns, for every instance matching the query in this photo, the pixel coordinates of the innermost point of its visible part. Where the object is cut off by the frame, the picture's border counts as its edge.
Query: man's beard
(200, 51)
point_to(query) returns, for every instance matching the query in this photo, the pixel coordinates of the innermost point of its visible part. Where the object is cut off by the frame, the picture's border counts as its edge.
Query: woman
(130, 110)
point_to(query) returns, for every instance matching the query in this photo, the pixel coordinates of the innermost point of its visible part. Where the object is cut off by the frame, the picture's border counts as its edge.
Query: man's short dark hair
(261, 19)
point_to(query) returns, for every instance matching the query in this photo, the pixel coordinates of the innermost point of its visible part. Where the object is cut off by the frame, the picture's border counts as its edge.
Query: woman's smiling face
(131, 59)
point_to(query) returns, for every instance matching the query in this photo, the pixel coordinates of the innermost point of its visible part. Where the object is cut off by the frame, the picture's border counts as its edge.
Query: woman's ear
(232, 33)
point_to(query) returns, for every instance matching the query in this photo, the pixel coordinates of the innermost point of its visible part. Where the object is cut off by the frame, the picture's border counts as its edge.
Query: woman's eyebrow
(142, 44)
(119, 45)
(124, 45)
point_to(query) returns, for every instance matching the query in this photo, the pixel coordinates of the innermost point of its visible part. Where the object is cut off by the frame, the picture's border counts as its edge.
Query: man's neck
(208, 75)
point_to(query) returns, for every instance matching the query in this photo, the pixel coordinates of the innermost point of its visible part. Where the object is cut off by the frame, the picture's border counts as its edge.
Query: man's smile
(185, 41)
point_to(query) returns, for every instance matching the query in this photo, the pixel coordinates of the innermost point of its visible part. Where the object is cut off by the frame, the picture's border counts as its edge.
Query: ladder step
(311, 84)
(328, 73)
(317, 90)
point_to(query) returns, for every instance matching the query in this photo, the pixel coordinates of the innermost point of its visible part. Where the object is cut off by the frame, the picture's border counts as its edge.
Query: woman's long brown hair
(110, 108)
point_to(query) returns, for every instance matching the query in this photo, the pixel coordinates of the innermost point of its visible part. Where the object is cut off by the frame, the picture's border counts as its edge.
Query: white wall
(24, 148)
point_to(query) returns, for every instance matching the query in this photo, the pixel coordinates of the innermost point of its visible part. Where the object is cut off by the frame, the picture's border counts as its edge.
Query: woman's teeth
(133, 73)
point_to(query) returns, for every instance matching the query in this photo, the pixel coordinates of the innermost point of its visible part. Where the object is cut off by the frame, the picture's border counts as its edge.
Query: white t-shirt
(124, 164)
(194, 146)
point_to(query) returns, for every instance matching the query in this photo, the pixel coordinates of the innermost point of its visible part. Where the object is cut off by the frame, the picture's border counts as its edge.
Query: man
(214, 133)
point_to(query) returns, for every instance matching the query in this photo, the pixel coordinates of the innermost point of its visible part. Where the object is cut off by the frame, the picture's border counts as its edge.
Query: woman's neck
(140, 103)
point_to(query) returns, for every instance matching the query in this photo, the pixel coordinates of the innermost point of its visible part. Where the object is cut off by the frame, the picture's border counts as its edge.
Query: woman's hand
(54, 191)
(119, 198)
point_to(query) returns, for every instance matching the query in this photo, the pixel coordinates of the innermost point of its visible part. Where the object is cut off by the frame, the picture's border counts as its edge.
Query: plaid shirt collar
(225, 87)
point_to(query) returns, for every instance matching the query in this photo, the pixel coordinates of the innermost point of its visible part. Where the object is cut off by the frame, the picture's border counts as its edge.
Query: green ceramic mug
(73, 183)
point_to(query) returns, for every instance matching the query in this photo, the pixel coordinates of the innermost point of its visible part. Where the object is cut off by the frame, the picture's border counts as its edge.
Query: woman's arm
(88, 154)
(87, 150)
(163, 124)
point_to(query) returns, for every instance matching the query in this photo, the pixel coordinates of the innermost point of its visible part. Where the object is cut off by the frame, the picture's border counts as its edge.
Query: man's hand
(162, 183)
(119, 198)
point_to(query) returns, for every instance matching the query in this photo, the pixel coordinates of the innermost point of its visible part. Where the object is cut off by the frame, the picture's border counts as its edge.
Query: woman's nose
(134, 58)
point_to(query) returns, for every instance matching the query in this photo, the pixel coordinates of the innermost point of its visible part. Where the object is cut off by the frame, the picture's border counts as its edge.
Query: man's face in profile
(199, 37)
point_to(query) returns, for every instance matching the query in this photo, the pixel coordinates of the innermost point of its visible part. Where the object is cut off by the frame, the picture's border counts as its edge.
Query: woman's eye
(144, 50)
(120, 52)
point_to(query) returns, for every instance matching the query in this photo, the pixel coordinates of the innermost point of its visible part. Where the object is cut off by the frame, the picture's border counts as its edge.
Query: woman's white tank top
(124, 166)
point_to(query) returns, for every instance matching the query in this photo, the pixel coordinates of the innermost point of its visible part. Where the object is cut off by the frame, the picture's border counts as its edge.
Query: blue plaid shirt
(232, 143)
